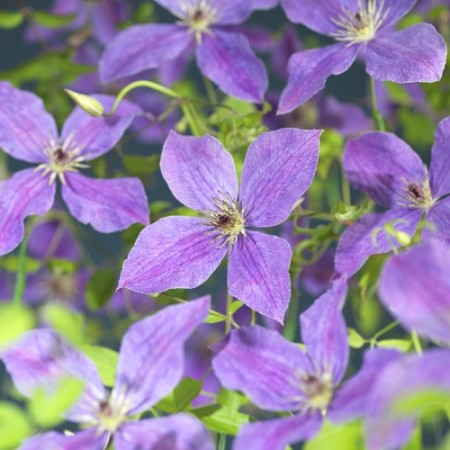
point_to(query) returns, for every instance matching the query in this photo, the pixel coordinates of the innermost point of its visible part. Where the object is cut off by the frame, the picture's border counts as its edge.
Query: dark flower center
(318, 390)
(418, 194)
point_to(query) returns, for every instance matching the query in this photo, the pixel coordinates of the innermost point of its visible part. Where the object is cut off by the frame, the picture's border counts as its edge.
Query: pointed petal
(86, 440)
(277, 434)
(26, 193)
(278, 169)
(308, 71)
(381, 165)
(386, 428)
(440, 160)
(97, 135)
(396, 9)
(232, 12)
(366, 237)
(350, 401)
(264, 366)
(151, 361)
(414, 287)
(26, 128)
(437, 227)
(415, 54)
(324, 332)
(41, 359)
(107, 205)
(258, 273)
(142, 47)
(106, 17)
(174, 252)
(227, 59)
(197, 169)
(264, 4)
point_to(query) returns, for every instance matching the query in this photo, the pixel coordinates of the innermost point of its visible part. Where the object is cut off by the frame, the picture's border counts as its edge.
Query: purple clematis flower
(278, 376)
(182, 252)
(223, 56)
(388, 425)
(393, 175)
(150, 365)
(415, 54)
(415, 286)
(28, 133)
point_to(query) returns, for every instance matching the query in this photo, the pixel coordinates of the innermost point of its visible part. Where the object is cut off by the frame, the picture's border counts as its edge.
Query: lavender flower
(28, 133)
(393, 175)
(278, 376)
(223, 56)
(150, 365)
(415, 54)
(182, 252)
(414, 287)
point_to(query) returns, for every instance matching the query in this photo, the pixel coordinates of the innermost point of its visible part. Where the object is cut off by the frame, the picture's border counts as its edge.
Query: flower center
(359, 27)
(227, 219)
(62, 157)
(199, 15)
(319, 392)
(418, 195)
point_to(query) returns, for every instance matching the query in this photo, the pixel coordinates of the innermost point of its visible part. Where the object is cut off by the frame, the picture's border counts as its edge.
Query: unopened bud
(89, 104)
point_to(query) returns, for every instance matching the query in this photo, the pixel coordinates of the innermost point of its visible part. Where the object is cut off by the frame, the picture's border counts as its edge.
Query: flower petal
(197, 169)
(41, 359)
(258, 273)
(279, 167)
(415, 54)
(174, 252)
(438, 223)
(106, 17)
(232, 12)
(264, 4)
(263, 365)
(24, 194)
(97, 135)
(414, 287)
(151, 361)
(308, 71)
(440, 160)
(366, 237)
(324, 332)
(381, 165)
(142, 47)
(108, 205)
(277, 434)
(176, 432)
(227, 59)
(396, 9)
(26, 128)
(86, 440)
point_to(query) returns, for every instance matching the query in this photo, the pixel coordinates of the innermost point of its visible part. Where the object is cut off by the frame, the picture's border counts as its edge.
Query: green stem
(210, 91)
(228, 314)
(21, 278)
(376, 114)
(416, 342)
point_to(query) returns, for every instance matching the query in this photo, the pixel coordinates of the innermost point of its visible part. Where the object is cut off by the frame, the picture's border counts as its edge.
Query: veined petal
(151, 361)
(258, 273)
(95, 136)
(198, 169)
(367, 237)
(142, 47)
(437, 227)
(277, 434)
(414, 287)
(324, 332)
(174, 252)
(176, 432)
(227, 59)
(263, 365)
(279, 167)
(26, 193)
(232, 12)
(414, 55)
(396, 9)
(440, 160)
(382, 165)
(308, 71)
(106, 17)
(26, 128)
(107, 205)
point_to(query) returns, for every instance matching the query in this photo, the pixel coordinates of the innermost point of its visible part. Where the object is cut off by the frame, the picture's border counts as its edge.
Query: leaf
(49, 20)
(355, 340)
(181, 397)
(68, 323)
(11, 264)
(400, 344)
(421, 402)
(221, 420)
(236, 306)
(14, 426)
(331, 437)
(231, 400)
(100, 288)
(105, 361)
(14, 320)
(10, 19)
(215, 317)
(141, 165)
(60, 266)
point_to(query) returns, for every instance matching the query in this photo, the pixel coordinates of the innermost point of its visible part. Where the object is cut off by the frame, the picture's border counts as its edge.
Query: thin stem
(387, 328)
(376, 114)
(416, 342)
(210, 91)
(228, 313)
(346, 195)
(21, 278)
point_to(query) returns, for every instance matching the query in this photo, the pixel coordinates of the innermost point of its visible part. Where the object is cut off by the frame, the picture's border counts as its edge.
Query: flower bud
(89, 104)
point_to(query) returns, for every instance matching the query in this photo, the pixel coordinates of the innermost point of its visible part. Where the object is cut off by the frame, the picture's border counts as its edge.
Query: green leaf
(105, 361)
(100, 288)
(331, 437)
(215, 317)
(420, 402)
(231, 400)
(14, 426)
(400, 344)
(48, 409)
(182, 396)
(10, 19)
(14, 320)
(415, 442)
(236, 306)
(221, 420)
(49, 20)
(68, 323)
(60, 266)
(355, 340)
(11, 264)
(141, 165)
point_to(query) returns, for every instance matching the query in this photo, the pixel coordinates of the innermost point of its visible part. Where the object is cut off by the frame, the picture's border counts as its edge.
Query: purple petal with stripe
(396, 9)
(437, 223)
(87, 440)
(440, 160)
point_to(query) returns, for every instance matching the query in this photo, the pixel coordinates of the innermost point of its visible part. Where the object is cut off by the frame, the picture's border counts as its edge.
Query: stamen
(198, 16)
(417, 194)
